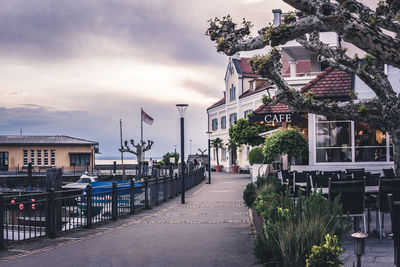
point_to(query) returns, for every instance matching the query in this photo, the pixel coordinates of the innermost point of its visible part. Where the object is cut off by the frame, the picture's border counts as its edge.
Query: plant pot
(218, 168)
(235, 169)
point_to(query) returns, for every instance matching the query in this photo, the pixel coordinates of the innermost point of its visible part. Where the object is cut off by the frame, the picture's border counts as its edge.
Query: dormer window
(230, 68)
(251, 85)
(232, 93)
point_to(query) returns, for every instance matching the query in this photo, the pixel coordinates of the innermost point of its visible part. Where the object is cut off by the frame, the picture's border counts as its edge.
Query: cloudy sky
(77, 67)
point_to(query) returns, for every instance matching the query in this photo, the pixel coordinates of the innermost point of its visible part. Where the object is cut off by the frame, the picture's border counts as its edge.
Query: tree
(217, 144)
(167, 157)
(232, 147)
(138, 152)
(244, 133)
(355, 23)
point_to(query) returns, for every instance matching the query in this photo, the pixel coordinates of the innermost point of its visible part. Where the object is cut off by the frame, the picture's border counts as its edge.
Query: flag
(146, 118)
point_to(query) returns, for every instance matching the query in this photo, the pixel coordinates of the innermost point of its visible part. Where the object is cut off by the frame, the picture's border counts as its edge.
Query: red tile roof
(261, 88)
(302, 66)
(278, 108)
(246, 69)
(331, 83)
(217, 104)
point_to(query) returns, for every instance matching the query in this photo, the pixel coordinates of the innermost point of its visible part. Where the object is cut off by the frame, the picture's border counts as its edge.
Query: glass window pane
(334, 154)
(370, 143)
(333, 134)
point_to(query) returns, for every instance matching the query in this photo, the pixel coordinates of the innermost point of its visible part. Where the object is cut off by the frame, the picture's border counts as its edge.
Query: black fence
(27, 216)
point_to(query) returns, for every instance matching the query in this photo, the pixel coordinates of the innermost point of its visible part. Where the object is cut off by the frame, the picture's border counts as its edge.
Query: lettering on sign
(270, 118)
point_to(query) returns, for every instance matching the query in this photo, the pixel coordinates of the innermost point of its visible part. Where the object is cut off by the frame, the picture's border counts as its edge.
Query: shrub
(292, 229)
(249, 195)
(290, 142)
(326, 255)
(256, 156)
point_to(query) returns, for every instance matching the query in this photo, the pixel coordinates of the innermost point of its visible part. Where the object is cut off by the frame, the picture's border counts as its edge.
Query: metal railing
(34, 215)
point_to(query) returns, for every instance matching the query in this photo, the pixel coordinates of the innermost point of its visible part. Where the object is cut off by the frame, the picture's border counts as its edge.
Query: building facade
(42, 152)
(333, 144)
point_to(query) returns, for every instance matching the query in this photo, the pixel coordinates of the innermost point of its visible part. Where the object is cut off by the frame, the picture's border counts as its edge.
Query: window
(214, 124)
(247, 112)
(25, 157)
(3, 161)
(232, 93)
(39, 157)
(333, 140)
(223, 154)
(232, 118)
(32, 157)
(80, 159)
(370, 143)
(53, 157)
(46, 157)
(223, 122)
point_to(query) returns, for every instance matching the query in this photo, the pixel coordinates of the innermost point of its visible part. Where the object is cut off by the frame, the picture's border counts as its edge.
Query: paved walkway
(211, 229)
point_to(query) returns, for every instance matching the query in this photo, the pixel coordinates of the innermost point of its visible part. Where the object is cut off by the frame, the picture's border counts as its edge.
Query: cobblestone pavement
(211, 229)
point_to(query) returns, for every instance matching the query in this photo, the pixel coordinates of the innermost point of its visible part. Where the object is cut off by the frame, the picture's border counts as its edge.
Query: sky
(77, 67)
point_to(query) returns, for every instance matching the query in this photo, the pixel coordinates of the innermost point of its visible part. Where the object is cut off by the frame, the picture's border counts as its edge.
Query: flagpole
(141, 140)
(122, 148)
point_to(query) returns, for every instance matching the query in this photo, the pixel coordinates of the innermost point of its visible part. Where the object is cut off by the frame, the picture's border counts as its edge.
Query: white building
(333, 144)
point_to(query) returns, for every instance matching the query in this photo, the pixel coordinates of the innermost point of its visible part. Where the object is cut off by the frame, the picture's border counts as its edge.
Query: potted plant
(217, 144)
(232, 147)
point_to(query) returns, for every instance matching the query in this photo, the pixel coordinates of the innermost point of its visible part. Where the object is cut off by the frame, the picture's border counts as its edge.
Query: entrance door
(3, 161)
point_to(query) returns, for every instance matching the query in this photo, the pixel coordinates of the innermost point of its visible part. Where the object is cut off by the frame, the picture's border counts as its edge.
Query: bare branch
(369, 16)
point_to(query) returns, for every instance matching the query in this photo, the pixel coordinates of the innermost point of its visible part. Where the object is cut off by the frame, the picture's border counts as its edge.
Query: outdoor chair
(386, 186)
(333, 174)
(372, 179)
(351, 194)
(351, 171)
(321, 180)
(388, 173)
(394, 209)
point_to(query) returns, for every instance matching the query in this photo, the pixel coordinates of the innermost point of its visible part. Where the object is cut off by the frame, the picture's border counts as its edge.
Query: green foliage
(242, 132)
(326, 255)
(256, 156)
(292, 229)
(289, 141)
(167, 156)
(289, 17)
(249, 195)
(266, 100)
(308, 98)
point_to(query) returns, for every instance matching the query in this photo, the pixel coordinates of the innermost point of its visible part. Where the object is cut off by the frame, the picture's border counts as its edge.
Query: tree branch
(368, 111)
(371, 71)
(367, 15)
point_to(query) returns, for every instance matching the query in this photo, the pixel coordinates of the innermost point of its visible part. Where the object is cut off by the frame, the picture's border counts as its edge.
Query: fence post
(146, 193)
(114, 211)
(51, 215)
(157, 189)
(1, 221)
(132, 196)
(89, 213)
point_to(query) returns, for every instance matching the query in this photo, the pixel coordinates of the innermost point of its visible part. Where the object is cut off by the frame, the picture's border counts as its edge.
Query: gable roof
(217, 104)
(260, 88)
(278, 108)
(331, 83)
(43, 140)
(245, 68)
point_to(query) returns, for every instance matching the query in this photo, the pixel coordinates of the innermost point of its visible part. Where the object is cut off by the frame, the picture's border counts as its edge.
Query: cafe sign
(272, 118)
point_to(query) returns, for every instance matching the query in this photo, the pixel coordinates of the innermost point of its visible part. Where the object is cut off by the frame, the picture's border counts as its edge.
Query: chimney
(277, 17)
(236, 56)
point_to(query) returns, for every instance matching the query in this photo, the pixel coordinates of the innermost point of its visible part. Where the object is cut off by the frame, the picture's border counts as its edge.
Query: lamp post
(359, 245)
(209, 157)
(182, 108)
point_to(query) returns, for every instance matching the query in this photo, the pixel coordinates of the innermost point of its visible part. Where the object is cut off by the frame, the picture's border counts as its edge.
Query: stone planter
(235, 169)
(218, 168)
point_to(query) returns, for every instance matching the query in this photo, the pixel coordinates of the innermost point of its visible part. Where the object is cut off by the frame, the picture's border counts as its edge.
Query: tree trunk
(396, 153)
(217, 157)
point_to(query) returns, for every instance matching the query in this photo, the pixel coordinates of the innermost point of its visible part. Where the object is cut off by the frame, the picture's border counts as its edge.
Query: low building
(42, 152)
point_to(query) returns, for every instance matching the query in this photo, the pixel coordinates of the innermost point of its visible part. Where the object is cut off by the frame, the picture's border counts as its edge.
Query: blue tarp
(106, 186)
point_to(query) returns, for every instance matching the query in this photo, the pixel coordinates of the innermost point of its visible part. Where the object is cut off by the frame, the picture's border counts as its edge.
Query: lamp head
(182, 108)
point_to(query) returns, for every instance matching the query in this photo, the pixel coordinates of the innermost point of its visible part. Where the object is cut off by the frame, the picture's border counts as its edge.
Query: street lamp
(182, 108)
(209, 157)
